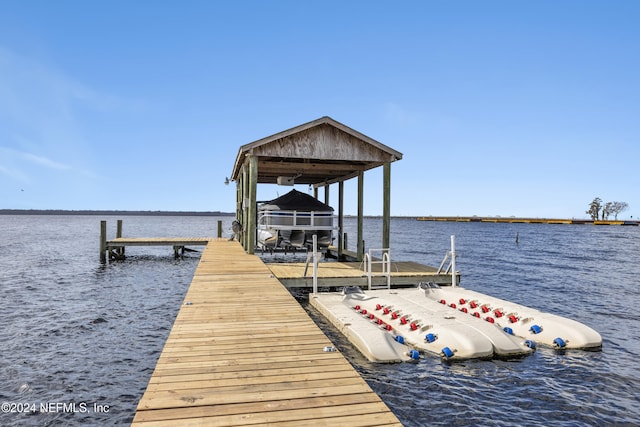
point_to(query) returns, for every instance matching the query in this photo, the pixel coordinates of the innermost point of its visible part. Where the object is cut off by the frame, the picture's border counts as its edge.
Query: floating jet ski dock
(392, 325)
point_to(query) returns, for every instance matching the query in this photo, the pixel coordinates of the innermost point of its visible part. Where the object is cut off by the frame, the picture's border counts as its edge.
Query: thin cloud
(43, 161)
(14, 174)
(19, 161)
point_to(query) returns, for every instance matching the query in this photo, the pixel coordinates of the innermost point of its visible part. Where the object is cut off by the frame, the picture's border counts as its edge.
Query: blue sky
(499, 107)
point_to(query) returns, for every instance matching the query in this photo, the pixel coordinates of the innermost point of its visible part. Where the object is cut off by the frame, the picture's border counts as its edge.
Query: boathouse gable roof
(319, 152)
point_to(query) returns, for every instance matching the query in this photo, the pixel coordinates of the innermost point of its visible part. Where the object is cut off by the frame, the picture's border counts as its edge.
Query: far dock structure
(115, 249)
(517, 220)
(319, 153)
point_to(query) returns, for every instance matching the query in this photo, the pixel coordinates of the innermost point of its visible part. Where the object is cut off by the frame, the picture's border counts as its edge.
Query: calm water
(75, 332)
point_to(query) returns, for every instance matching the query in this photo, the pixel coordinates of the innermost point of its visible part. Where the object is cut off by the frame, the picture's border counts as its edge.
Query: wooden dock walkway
(242, 351)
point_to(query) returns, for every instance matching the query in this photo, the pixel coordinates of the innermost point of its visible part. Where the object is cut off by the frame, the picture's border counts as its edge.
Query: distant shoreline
(110, 212)
(511, 220)
(516, 220)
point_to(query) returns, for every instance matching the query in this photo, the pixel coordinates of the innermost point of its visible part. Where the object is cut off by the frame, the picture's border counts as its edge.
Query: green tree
(594, 208)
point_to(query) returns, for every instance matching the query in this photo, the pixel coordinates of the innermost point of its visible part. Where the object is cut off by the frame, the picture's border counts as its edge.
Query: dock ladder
(385, 262)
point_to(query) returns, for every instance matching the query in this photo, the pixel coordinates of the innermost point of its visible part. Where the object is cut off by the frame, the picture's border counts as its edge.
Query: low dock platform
(242, 351)
(336, 274)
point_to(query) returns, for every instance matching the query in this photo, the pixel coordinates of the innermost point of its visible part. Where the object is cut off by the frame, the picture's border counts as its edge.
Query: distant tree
(606, 210)
(594, 208)
(617, 207)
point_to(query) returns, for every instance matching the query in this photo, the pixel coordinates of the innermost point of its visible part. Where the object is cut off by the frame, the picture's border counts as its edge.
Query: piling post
(252, 211)
(315, 264)
(103, 241)
(341, 246)
(360, 214)
(219, 228)
(119, 235)
(386, 205)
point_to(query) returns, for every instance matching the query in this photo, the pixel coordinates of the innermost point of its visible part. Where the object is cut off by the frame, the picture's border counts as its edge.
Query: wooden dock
(115, 248)
(335, 274)
(242, 351)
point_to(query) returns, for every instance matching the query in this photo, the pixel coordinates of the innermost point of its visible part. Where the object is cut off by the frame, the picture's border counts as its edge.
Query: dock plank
(242, 351)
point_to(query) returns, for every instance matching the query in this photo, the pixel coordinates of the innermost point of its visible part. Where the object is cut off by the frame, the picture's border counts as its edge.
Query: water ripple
(77, 331)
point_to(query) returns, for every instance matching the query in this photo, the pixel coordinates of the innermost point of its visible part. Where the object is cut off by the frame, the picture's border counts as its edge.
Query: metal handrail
(385, 262)
(451, 267)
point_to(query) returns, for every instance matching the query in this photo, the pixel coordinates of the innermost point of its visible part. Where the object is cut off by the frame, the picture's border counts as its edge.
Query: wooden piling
(120, 250)
(219, 228)
(103, 241)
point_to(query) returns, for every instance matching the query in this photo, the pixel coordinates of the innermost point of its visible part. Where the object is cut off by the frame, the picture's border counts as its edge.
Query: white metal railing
(451, 267)
(301, 220)
(385, 263)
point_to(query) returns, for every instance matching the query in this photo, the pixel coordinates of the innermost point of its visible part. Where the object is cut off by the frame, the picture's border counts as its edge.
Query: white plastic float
(375, 343)
(456, 323)
(453, 322)
(529, 323)
(393, 325)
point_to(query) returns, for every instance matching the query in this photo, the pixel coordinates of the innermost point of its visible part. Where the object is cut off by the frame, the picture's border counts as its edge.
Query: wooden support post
(386, 205)
(219, 228)
(341, 246)
(178, 252)
(245, 206)
(252, 213)
(120, 250)
(360, 215)
(103, 241)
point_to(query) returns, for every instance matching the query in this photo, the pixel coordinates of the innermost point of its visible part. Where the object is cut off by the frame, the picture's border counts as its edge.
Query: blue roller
(530, 344)
(535, 329)
(430, 338)
(414, 354)
(559, 342)
(400, 339)
(446, 352)
(508, 330)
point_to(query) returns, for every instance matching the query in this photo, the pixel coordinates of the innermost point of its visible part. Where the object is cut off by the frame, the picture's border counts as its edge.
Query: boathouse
(318, 153)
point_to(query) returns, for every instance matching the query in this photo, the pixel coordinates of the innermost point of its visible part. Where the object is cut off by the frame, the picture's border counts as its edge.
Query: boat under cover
(396, 325)
(292, 219)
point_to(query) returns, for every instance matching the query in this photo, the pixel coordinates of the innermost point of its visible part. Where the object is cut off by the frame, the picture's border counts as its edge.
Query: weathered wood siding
(322, 142)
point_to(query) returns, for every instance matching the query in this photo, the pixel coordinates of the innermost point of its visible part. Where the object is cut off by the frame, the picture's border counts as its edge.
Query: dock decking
(157, 241)
(242, 351)
(403, 273)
